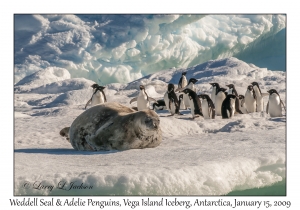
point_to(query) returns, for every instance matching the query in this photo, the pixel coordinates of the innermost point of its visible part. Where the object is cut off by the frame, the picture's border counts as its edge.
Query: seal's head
(147, 120)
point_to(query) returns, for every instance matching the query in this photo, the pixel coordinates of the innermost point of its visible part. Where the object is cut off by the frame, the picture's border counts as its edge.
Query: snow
(122, 48)
(196, 157)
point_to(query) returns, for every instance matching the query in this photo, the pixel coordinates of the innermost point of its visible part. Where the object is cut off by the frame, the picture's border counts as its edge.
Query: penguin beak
(227, 85)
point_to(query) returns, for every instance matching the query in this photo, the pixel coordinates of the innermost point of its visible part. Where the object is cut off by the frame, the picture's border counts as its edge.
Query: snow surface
(122, 48)
(196, 157)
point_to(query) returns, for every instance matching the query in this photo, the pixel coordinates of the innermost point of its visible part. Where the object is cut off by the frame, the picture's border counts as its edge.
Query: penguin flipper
(133, 100)
(151, 99)
(282, 104)
(267, 109)
(213, 114)
(88, 103)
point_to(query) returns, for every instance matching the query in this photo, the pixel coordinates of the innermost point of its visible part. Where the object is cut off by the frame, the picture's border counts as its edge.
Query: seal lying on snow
(114, 126)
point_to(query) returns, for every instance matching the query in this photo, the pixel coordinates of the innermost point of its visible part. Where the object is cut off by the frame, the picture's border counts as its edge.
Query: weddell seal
(111, 126)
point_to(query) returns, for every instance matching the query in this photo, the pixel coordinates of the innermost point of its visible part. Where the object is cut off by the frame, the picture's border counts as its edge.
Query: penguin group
(221, 102)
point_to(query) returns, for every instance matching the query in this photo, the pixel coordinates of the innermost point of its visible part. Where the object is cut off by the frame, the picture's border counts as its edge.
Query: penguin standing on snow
(274, 107)
(171, 100)
(259, 97)
(191, 86)
(220, 96)
(242, 104)
(208, 107)
(181, 84)
(143, 99)
(98, 96)
(232, 91)
(215, 86)
(250, 99)
(228, 106)
(183, 81)
(159, 105)
(195, 103)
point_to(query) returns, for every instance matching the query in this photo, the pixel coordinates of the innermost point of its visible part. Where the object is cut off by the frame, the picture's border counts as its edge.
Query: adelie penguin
(143, 99)
(195, 103)
(274, 107)
(159, 105)
(250, 99)
(191, 86)
(242, 104)
(215, 86)
(228, 106)
(182, 84)
(171, 100)
(220, 96)
(232, 91)
(259, 97)
(98, 96)
(208, 107)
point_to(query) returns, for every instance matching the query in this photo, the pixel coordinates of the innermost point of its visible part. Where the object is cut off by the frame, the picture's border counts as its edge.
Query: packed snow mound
(77, 97)
(44, 77)
(123, 48)
(223, 71)
(62, 86)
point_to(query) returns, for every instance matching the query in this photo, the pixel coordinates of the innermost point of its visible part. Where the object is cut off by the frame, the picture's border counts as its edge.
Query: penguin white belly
(259, 100)
(218, 103)
(96, 98)
(243, 108)
(232, 104)
(250, 102)
(173, 108)
(142, 102)
(192, 108)
(275, 109)
(213, 95)
(166, 99)
(184, 82)
(186, 100)
(205, 110)
(182, 104)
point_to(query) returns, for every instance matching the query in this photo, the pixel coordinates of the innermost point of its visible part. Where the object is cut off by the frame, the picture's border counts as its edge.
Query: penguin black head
(183, 73)
(272, 91)
(193, 80)
(231, 96)
(241, 97)
(171, 87)
(250, 87)
(222, 89)
(95, 86)
(142, 87)
(187, 91)
(255, 84)
(230, 86)
(203, 96)
(98, 87)
(214, 84)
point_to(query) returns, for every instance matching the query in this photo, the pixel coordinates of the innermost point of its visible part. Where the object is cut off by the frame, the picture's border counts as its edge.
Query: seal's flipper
(133, 100)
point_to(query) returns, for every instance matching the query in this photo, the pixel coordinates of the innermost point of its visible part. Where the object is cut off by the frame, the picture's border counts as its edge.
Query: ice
(122, 48)
(196, 157)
